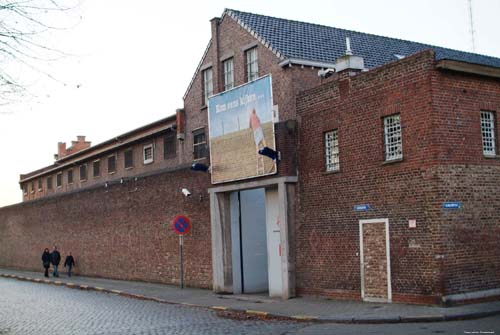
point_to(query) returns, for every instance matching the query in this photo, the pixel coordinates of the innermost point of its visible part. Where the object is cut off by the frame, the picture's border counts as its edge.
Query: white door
(273, 223)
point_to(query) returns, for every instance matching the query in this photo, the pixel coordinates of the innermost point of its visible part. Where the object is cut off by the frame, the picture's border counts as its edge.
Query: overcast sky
(133, 60)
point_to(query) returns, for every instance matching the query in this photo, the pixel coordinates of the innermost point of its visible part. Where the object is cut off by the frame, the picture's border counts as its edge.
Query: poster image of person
(259, 139)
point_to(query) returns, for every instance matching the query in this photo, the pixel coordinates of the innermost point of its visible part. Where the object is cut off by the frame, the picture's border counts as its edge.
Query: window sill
(199, 159)
(148, 162)
(129, 168)
(392, 161)
(112, 172)
(203, 107)
(491, 156)
(326, 173)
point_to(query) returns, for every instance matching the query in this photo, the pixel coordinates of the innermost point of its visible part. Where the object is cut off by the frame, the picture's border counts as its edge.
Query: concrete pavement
(303, 308)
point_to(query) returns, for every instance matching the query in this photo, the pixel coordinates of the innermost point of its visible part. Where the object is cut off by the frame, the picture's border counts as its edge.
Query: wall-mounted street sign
(452, 205)
(361, 208)
(181, 225)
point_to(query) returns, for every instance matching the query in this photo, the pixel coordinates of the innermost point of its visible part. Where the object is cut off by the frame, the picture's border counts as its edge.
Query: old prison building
(340, 164)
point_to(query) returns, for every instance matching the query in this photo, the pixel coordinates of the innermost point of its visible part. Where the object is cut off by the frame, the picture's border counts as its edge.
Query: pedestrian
(55, 259)
(46, 261)
(69, 262)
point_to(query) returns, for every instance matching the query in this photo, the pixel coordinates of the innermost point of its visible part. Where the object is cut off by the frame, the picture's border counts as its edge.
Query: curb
(263, 314)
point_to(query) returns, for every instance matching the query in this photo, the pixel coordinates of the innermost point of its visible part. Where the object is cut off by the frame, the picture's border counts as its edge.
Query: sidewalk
(307, 308)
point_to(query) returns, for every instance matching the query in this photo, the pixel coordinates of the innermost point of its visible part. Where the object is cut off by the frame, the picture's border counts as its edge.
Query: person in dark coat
(46, 261)
(55, 259)
(69, 262)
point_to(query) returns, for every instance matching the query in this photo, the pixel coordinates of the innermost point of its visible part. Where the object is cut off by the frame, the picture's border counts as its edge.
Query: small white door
(273, 223)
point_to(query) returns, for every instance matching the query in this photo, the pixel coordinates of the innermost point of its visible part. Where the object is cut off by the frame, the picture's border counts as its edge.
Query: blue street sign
(452, 205)
(361, 208)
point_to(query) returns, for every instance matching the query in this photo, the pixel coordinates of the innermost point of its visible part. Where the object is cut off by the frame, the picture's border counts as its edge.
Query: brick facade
(442, 161)
(122, 230)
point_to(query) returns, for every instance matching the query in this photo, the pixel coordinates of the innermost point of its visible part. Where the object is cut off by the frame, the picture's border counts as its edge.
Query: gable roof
(302, 42)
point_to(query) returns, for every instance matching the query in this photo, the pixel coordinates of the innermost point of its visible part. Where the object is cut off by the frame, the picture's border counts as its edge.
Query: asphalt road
(29, 308)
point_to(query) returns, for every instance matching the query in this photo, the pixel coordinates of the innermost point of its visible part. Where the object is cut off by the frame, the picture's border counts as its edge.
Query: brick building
(387, 188)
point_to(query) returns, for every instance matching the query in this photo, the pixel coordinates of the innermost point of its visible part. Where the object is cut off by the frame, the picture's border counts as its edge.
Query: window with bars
(332, 151)
(393, 138)
(208, 85)
(70, 176)
(25, 189)
(169, 143)
(32, 186)
(199, 144)
(83, 172)
(129, 158)
(252, 64)
(59, 180)
(148, 154)
(40, 185)
(49, 183)
(96, 168)
(112, 164)
(228, 74)
(488, 133)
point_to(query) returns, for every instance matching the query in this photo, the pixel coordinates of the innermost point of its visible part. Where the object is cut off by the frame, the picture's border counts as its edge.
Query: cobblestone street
(28, 308)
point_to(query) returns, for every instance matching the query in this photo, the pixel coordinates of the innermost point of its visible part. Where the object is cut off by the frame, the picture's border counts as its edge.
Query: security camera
(326, 73)
(186, 192)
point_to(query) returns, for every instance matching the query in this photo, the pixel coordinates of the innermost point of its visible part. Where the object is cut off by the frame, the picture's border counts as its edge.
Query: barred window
(59, 179)
(252, 64)
(96, 168)
(70, 176)
(208, 85)
(393, 138)
(129, 159)
(112, 164)
(488, 133)
(32, 186)
(49, 183)
(228, 74)
(332, 151)
(40, 185)
(148, 154)
(169, 148)
(83, 172)
(25, 189)
(199, 144)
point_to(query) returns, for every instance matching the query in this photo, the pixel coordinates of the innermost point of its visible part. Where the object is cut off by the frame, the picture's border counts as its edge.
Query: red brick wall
(123, 231)
(327, 235)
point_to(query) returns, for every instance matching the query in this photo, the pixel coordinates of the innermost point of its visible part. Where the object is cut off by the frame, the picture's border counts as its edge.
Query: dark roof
(317, 43)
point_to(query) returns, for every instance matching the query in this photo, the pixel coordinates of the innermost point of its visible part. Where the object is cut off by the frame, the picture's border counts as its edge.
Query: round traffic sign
(181, 225)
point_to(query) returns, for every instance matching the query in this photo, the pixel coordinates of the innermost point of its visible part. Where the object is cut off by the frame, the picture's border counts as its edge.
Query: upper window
(83, 172)
(49, 183)
(25, 189)
(96, 168)
(112, 164)
(40, 185)
(208, 85)
(228, 74)
(59, 179)
(252, 64)
(32, 186)
(199, 144)
(332, 151)
(169, 148)
(488, 133)
(148, 153)
(70, 176)
(129, 158)
(393, 138)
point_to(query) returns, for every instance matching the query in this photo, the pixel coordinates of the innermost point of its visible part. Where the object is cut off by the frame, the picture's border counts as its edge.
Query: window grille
(129, 159)
(252, 64)
(488, 133)
(208, 85)
(332, 151)
(393, 138)
(228, 74)
(199, 144)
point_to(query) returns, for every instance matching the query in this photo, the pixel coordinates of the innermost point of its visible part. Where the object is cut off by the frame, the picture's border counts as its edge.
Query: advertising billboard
(240, 123)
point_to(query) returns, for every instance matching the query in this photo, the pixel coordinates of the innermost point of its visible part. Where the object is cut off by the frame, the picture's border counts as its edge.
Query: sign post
(181, 226)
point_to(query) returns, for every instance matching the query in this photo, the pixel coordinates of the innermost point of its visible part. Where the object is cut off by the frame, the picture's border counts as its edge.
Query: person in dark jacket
(55, 259)
(69, 262)
(46, 261)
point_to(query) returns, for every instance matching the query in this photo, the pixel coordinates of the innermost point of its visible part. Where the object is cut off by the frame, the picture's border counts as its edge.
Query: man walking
(69, 262)
(55, 259)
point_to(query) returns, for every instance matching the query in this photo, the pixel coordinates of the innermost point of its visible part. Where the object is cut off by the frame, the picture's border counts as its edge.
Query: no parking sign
(181, 225)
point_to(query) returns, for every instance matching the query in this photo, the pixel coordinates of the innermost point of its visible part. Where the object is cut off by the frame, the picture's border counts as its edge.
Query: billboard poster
(241, 123)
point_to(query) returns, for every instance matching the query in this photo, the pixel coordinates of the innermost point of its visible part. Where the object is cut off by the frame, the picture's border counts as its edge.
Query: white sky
(134, 60)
